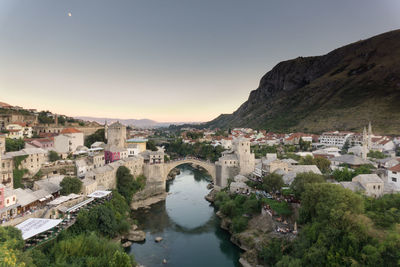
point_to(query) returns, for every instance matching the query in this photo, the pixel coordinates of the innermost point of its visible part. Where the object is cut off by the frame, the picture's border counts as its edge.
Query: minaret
(56, 120)
(364, 144)
(369, 136)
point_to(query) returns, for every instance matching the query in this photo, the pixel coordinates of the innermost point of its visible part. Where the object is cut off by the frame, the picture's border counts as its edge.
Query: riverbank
(146, 203)
(259, 232)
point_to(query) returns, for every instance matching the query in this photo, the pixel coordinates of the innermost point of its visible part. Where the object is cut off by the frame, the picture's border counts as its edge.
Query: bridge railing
(188, 158)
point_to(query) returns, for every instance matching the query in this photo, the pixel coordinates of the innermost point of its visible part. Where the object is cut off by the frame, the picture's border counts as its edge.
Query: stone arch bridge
(207, 165)
(157, 173)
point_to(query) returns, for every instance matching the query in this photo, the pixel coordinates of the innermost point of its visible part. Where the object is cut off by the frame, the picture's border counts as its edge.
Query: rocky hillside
(343, 89)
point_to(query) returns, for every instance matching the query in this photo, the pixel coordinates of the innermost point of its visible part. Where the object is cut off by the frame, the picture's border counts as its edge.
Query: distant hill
(142, 123)
(343, 89)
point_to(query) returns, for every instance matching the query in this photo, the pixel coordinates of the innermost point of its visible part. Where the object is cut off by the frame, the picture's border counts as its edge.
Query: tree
(345, 147)
(14, 144)
(53, 156)
(344, 174)
(150, 145)
(299, 183)
(307, 160)
(70, 185)
(273, 182)
(323, 164)
(304, 145)
(376, 154)
(45, 117)
(127, 185)
(98, 136)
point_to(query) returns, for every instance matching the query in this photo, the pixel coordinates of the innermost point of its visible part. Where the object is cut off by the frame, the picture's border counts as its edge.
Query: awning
(34, 226)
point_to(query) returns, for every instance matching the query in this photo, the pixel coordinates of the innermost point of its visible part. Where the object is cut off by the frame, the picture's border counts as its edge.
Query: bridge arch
(208, 166)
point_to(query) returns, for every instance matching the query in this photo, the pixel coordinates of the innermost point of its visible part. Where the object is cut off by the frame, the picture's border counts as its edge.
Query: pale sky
(166, 60)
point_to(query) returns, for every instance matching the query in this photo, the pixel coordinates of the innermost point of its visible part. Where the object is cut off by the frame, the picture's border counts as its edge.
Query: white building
(68, 140)
(19, 130)
(394, 176)
(335, 138)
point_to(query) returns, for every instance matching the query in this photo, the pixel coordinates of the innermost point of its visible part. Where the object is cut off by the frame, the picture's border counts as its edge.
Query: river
(188, 225)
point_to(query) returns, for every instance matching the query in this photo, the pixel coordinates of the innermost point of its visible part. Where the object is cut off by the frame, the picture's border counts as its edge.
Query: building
(8, 203)
(33, 160)
(114, 153)
(136, 146)
(350, 160)
(394, 176)
(153, 157)
(116, 134)
(68, 140)
(239, 160)
(335, 138)
(371, 184)
(18, 130)
(44, 143)
(97, 159)
(6, 172)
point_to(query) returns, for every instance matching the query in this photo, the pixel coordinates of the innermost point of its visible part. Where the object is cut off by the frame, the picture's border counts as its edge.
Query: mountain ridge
(343, 89)
(140, 123)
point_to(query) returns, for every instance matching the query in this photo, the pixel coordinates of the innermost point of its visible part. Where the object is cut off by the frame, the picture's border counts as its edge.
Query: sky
(166, 60)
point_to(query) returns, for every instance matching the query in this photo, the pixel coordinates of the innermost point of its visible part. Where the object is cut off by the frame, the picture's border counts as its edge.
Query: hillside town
(37, 157)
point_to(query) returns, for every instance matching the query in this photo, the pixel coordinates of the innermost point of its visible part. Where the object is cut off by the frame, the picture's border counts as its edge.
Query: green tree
(376, 154)
(98, 136)
(273, 182)
(345, 147)
(127, 185)
(14, 144)
(45, 117)
(298, 186)
(70, 185)
(323, 164)
(307, 160)
(53, 156)
(304, 145)
(150, 145)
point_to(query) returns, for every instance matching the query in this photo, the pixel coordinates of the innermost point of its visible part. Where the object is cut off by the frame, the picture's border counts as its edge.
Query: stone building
(35, 158)
(239, 160)
(116, 134)
(6, 165)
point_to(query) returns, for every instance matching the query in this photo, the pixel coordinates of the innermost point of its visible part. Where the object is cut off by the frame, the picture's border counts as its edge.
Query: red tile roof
(70, 130)
(395, 168)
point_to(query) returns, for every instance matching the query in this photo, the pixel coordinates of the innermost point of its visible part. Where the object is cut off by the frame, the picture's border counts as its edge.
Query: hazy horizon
(167, 61)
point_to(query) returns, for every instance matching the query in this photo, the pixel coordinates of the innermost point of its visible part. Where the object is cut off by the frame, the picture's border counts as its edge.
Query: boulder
(127, 244)
(136, 236)
(158, 239)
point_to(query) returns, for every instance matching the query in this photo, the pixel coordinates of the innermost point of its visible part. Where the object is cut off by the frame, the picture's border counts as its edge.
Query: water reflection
(186, 221)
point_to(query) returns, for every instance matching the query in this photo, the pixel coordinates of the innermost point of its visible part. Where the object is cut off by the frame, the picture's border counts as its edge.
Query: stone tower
(369, 136)
(245, 157)
(116, 134)
(56, 119)
(364, 144)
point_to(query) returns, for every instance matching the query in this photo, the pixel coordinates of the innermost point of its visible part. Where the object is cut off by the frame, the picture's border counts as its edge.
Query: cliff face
(343, 89)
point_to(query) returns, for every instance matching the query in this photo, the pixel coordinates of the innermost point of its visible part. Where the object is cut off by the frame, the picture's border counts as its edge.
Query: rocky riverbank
(259, 232)
(145, 203)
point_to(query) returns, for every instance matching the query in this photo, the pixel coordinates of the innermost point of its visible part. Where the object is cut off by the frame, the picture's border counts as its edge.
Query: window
(394, 179)
(374, 186)
(379, 187)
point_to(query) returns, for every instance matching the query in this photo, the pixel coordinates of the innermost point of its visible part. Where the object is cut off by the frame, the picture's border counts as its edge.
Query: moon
(69, 14)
